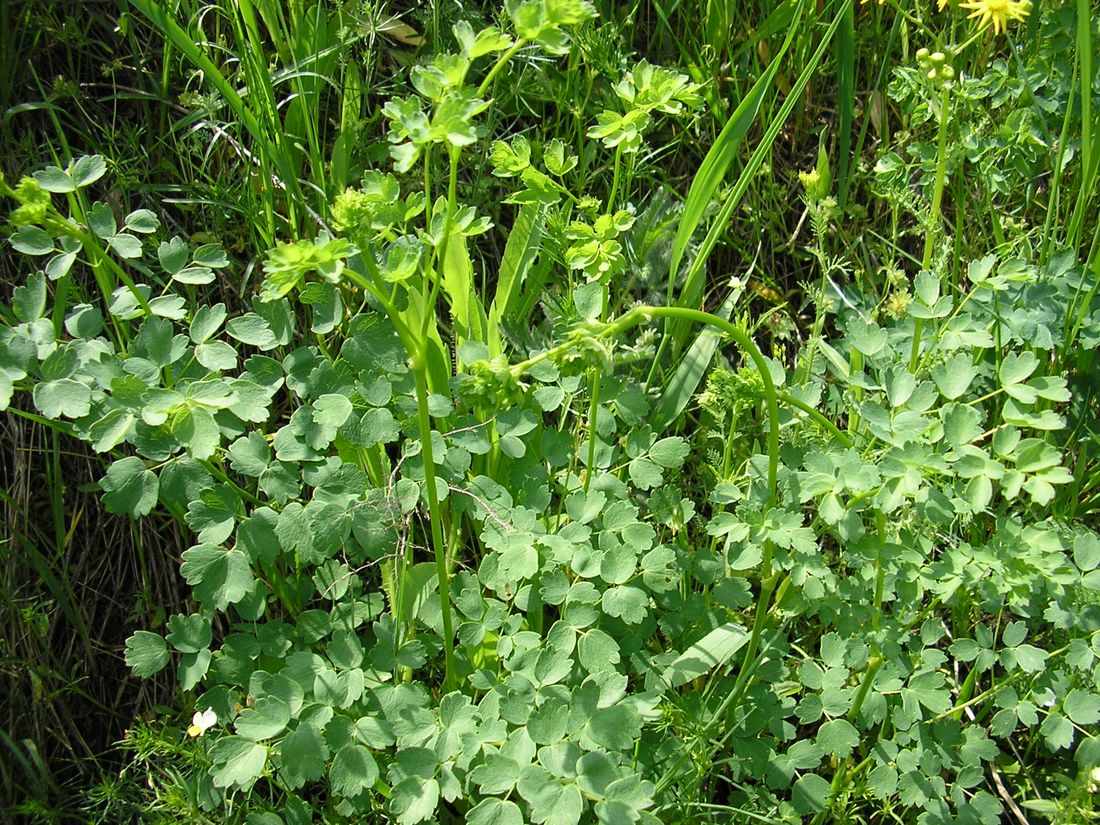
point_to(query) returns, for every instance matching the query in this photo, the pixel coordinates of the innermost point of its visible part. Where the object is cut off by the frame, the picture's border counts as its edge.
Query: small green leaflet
(237, 761)
(130, 488)
(146, 653)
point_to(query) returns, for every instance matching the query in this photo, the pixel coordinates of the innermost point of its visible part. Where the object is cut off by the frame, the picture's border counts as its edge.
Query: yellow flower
(202, 722)
(998, 12)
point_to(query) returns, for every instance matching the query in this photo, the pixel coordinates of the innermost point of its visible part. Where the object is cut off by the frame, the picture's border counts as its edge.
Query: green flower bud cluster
(935, 66)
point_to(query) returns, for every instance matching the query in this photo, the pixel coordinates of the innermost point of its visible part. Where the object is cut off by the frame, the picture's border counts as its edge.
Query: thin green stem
(593, 410)
(501, 61)
(615, 178)
(934, 217)
(435, 516)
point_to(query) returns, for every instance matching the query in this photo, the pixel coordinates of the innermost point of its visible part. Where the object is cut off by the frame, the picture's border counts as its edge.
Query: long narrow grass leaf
(721, 155)
(181, 40)
(693, 281)
(846, 98)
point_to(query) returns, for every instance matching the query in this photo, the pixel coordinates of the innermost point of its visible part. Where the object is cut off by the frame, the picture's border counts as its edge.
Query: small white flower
(202, 722)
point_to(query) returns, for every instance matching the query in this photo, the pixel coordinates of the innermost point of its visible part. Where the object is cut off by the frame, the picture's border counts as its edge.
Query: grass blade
(524, 242)
(693, 284)
(181, 40)
(1090, 133)
(718, 160)
(846, 97)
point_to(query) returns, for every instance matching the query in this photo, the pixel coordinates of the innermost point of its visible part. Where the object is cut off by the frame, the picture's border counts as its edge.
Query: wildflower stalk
(934, 216)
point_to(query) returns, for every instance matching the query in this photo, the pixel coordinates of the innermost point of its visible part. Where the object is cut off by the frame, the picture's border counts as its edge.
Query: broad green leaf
(146, 653)
(125, 245)
(169, 306)
(548, 722)
(557, 804)
(330, 411)
(267, 717)
(189, 634)
(253, 330)
(954, 376)
(206, 321)
(214, 515)
(597, 651)
(810, 794)
(838, 737)
(627, 603)
(645, 473)
(584, 507)
(217, 356)
(302, 756)
(929, 690)
(1057, 730)
(30, 240)
(65, 398)
(712, 651)
(192, 668)
(497, 774)
(250, 455)
(617, 564)
(1027, 657)
(53, 179)
(616, 727)
(1086, 551)
(961, 424)
(325, 304)
(59, 265)
(172, 255)
(130, 487)
(595, 772)
(142, 220)
(87, 170)
(867, 337)
(195, 428)
(1016, 368)
(353, 770)
(210, 255)
(670, 452)
(1082, 707)
(220, 577)
(194, 275)
(84, 321)
(414, 799)
(28, 301)
(101, 220)
(237, 761)
(493, 811)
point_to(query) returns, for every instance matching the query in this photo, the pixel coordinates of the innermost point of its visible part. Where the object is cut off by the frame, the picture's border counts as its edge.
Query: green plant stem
(435, 515)
(934, 217)
(817, 417)
(501, 61)
(593, 408)
(615, 178)
(855, 366)
(643, 314)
